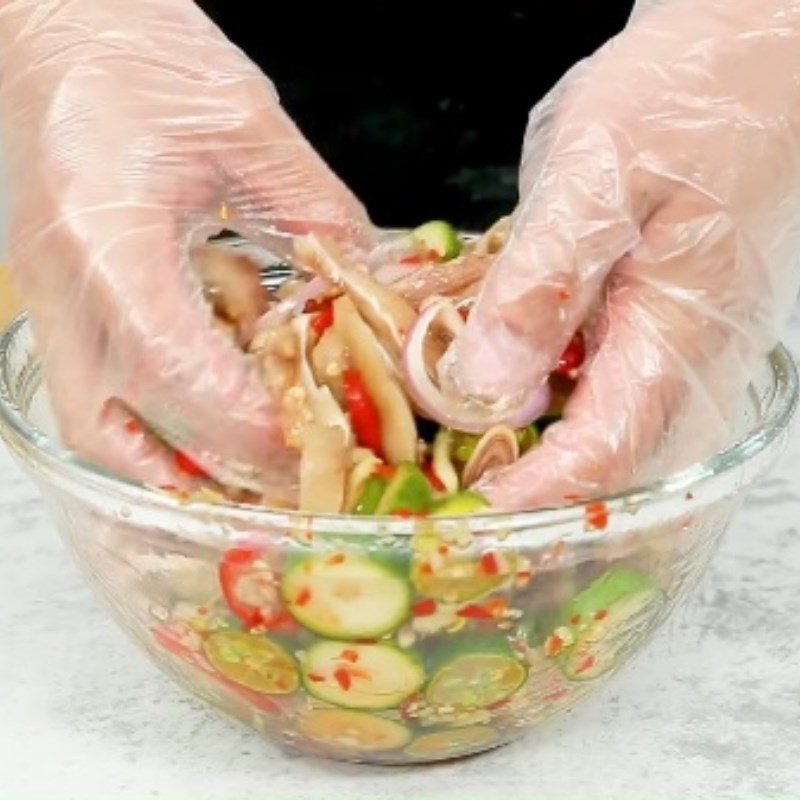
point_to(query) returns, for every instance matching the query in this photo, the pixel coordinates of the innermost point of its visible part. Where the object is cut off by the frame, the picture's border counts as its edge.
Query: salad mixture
(349, 351)
(368, 646)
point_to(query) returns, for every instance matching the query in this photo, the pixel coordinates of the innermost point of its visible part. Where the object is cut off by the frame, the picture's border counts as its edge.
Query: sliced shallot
(463, 414)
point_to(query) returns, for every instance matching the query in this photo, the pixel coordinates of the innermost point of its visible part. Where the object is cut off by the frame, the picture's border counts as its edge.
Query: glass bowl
(389, 641)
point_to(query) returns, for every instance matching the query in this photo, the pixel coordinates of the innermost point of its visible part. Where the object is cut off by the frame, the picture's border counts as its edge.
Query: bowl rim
(42, 450)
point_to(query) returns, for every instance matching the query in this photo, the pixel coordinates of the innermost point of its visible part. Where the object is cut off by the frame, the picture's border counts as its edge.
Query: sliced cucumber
(441, 237)
(371, 676)
(450, 743)
(353, 730)
(605, 620)
(460, 504)
(345, 596)
(445, 573)
(408, 490)
(475, 673)
(370, 496)
(252, 661)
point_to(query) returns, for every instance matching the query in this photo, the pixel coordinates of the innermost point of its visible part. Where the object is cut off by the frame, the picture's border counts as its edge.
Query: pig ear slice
(387, 313)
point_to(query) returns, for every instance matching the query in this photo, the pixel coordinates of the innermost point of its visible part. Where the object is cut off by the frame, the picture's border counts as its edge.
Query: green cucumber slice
(441, 237)
(346, 596)
(451, 743)
(476, 672)
(370, 497)
(353, 730)
(460, 504)
(605, 620)
(371, 676)
(408, 490)
(252, 661)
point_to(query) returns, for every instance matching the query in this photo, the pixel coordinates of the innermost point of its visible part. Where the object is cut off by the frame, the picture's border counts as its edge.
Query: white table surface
(710, 710)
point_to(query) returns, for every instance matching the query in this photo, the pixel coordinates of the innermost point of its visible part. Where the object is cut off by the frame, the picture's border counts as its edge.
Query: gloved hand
(133, 131)
(660, 206)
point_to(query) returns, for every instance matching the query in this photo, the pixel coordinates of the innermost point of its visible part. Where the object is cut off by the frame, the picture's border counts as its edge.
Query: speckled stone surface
(710, 710)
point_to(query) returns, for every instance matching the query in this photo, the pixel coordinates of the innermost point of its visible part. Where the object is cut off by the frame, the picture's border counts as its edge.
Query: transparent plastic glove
(134, 130)
(659, 204)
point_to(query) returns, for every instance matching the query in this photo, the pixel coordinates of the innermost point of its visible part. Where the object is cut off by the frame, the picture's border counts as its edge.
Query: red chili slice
(188, 465)
(236, 564)
(473, 611)
(597, 515)
(573, 357)
(407, 513)
(322, 320)
(489, 563)
(303, 596)
(349, 655)
(434, 480)
(343, 678)
(133, 426)
(364, 414)
(424, 608)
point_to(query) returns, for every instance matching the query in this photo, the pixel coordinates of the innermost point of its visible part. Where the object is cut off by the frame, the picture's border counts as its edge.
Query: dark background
(419, 107)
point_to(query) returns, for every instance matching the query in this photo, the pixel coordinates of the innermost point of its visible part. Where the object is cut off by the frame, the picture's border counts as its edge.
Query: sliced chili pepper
(424, 608)
(237, 563)
(363, 413)
(496, 606)
(553, 645)
(473, 611)
(385, 471)
(349, 655)
(407, 513)
(188, 465)
(586, 664)
(312, 676)
(323, 319)
(133, 426)
(597, 515)
(434, 480)
(343, 678)
(489, 563)
(573, 357)
(303, 596)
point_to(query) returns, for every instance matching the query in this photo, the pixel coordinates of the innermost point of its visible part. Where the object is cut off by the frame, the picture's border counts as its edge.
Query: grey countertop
(710, 710)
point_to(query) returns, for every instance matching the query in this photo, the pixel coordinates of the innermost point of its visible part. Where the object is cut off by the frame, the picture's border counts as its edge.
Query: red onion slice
(463, 414)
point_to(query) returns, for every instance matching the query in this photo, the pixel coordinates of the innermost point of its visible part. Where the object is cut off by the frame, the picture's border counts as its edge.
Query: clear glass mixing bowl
(385, 640)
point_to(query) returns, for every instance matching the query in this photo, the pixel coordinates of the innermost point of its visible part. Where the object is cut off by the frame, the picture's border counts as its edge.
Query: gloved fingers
(575, 223)
(157, 350)
(660, 391)
(274, 181)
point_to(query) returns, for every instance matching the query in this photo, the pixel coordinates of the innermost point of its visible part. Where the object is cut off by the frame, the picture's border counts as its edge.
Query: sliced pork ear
(455, 278)
(386, 312)
(363, 465)
(398, 428)
(328, 359)
(320, 402)
(232, 284)
(324, 463)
